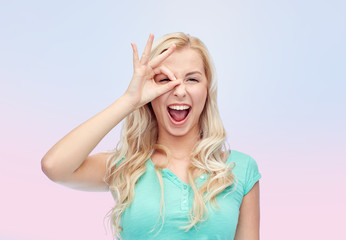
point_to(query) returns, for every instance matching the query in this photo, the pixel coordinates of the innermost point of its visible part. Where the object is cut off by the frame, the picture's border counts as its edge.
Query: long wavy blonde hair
(139, 141)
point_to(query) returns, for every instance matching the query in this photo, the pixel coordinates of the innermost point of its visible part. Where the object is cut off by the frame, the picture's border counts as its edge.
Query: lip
(179, 104)
(181, 122)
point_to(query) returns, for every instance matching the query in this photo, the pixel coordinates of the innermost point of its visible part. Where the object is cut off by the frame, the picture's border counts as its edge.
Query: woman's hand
(69, 161)
(143, 87)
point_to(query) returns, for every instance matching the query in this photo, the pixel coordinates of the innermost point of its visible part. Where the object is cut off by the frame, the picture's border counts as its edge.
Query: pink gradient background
(281, 72)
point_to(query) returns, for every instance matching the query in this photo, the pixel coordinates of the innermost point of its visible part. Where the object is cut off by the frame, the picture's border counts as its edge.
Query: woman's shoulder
(239, 157)
(244, 167)
(235, 154)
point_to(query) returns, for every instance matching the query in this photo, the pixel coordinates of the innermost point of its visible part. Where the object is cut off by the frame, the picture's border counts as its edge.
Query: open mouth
(178, 112)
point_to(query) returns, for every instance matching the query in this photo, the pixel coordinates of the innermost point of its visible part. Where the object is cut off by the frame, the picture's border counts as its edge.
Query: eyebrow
(194, 72)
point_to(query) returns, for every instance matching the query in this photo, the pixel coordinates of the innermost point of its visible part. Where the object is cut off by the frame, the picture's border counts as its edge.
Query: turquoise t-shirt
(141, 216)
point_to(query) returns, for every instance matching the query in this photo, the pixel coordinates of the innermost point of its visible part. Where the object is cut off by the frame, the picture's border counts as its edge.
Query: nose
(180, 90)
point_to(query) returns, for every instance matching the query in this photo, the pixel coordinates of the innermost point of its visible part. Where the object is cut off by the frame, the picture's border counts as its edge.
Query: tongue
(178, 115)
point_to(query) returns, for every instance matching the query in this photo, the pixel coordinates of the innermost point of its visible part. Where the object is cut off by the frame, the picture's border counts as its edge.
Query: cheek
(200, 98)
(155, 108)
(157, 105)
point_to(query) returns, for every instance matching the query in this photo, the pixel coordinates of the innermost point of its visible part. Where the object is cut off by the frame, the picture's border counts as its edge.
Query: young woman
(171, 175)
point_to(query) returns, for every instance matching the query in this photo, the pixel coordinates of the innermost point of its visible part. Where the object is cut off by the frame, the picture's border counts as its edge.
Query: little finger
(135, 54)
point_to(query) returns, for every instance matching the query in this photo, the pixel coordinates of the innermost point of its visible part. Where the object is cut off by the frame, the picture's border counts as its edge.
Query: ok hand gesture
(143, 88)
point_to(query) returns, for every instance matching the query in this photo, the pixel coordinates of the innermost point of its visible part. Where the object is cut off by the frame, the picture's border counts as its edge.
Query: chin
(181, 131)
(178, 133)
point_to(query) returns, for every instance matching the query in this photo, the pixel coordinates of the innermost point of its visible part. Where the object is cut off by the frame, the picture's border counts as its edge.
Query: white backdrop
(281, 72)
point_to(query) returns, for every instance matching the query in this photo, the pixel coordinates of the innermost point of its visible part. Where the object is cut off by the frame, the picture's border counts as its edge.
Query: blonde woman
(171, 175)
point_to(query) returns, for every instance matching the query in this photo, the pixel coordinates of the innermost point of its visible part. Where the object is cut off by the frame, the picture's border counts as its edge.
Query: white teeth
(176, 107)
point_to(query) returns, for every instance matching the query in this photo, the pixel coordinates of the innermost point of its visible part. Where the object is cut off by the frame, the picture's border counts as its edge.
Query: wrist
(129, 101)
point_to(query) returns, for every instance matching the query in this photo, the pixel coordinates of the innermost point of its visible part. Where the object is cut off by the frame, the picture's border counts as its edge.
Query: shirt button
(185, 187)
(202, 176)
(184, 201)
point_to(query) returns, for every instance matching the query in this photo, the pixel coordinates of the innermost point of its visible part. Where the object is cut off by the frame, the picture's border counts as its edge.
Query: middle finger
(146, 54)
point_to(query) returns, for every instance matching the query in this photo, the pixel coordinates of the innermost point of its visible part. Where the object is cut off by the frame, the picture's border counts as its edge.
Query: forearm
(67, 155)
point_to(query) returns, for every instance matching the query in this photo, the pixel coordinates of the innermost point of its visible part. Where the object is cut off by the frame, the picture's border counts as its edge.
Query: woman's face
(178, 111)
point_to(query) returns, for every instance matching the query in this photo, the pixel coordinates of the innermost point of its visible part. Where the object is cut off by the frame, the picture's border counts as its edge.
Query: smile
(178, 113)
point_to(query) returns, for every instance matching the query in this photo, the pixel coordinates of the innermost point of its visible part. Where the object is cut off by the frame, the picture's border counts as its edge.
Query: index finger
(159, 59)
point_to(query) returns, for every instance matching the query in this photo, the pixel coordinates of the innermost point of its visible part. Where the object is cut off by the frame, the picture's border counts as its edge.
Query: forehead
(184, 60)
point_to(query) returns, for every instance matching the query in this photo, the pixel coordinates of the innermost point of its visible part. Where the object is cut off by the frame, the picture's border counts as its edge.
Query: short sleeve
(252, 175)
(117, 164)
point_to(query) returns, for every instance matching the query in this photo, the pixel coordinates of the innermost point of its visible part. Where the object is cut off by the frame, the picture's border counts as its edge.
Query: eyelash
(193, 79)
(168, 80)
(165, 80)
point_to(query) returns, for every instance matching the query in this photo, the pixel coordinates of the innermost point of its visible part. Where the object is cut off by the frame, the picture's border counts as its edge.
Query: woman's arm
(249, 216)
(68, 161)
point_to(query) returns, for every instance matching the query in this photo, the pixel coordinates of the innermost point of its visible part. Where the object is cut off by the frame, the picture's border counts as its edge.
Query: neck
(179, 146)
